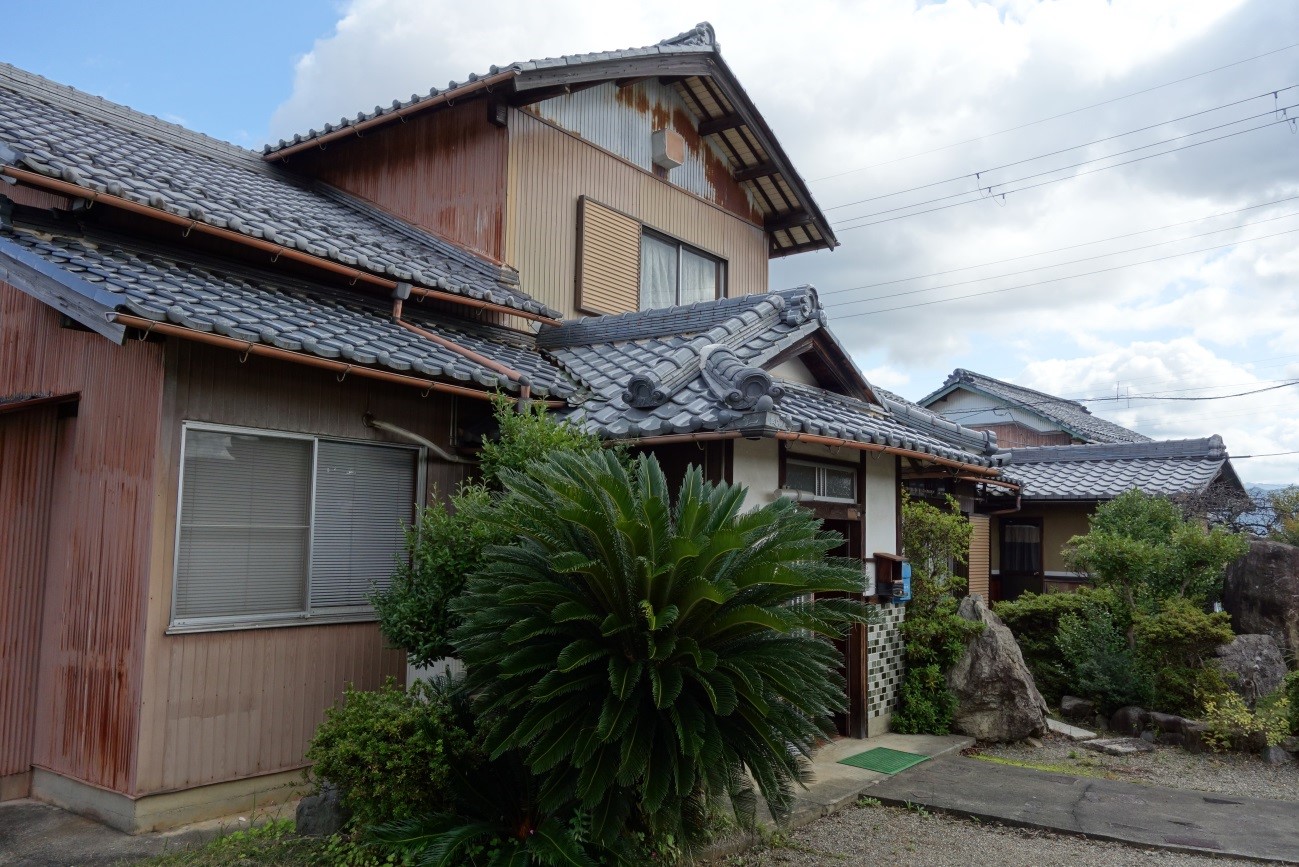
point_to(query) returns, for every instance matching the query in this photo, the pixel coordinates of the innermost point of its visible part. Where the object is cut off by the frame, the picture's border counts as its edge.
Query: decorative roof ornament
(701, 35)
(734, 383)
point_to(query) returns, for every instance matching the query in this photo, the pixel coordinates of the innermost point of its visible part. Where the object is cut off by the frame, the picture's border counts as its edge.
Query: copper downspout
(525, 389)
(279, 251)
(357, 128)
(340, 367)
(712, 436)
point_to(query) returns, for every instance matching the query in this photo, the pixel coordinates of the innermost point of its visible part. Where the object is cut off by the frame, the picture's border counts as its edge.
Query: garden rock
(1254, 666)
(1129, 721)
(1261, 592)
(1077, 709)
(1171, 739)
(996, 697)
(1276, 756)
(1194, 734)
(1166, 723)
(1290, 744)
(321, 814)
(1119, 746)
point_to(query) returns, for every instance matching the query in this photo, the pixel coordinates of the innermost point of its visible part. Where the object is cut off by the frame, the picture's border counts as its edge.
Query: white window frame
(305, 617)
(820, 466)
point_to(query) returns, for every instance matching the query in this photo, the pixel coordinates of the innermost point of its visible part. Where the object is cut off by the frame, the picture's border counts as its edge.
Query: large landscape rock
(996, 697)
(321, 814)
(1262, 592)
(1253, 665)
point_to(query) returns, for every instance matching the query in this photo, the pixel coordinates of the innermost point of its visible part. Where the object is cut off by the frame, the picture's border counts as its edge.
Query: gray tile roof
(1071, 416)
(244, 305)
(65, 134)
(1104, 471)
(698, 40)
(607, 353)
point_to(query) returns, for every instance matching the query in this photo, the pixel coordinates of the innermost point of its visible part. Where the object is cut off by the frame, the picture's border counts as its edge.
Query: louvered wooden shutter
(979, 556)
(365, 495)
(245, 524)
(608, 259)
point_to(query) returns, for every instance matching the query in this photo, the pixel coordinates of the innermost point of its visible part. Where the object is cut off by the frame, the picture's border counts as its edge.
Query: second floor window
(672, 273)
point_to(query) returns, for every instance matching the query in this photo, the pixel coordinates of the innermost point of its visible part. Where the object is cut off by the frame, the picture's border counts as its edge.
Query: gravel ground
(1171, 767)
(901, 838)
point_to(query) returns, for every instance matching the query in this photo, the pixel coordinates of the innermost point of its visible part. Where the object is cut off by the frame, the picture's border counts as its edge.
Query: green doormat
(884, 760)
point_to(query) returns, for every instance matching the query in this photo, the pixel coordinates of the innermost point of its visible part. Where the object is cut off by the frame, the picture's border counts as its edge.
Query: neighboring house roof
(705, 367)
(104, 148)
(1104, 471)
(102, 275)
(1072, 417)
(694, 62)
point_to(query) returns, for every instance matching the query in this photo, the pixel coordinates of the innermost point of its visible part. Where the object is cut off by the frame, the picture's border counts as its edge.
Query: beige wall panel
(223, 705)
(1060, 523)
(549, 169)
(978, 565)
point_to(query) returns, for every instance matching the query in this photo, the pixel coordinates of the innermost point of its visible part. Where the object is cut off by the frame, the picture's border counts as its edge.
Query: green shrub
(925, 704)
(528, 436)
(1098, 664)
(653, 661)
(444, 547)
(933, 539)
(1291, 689)
(390, 751)
(1175, 644)
(1233, 726)
(1034, 620)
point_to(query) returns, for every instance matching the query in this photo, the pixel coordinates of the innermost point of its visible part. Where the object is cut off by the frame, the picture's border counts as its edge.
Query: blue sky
(870, 98)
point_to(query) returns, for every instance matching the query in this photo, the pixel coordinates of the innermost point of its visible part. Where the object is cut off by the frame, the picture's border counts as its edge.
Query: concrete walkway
(37, 835)
(1175, 819)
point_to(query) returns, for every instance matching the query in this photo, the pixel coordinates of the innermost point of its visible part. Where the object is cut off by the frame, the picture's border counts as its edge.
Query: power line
(1002, 195)
(1062, 249)
(1057, 116)
(987, 192)
(1056, 264)
(1177, 379)
(1067, 277)
(976, 175)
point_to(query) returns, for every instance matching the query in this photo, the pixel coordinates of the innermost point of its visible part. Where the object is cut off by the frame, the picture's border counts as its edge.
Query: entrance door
(1021, 557)
(853, 647)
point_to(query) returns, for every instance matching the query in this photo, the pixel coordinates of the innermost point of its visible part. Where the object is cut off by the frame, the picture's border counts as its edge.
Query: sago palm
(654, 659)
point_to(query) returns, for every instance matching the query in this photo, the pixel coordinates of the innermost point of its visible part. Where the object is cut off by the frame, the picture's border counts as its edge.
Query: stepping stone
(1073, 733)
(1119, 746)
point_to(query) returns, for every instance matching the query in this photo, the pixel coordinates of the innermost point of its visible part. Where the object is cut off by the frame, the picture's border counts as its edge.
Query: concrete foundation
(167, 810)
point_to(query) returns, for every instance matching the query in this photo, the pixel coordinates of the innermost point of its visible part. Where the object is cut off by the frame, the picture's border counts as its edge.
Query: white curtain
(698, 278)
(658, 273)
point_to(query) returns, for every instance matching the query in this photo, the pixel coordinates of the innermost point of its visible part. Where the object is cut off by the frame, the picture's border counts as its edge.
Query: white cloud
(847, 85)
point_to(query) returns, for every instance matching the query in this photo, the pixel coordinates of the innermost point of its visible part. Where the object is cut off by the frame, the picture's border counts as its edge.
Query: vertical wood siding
(225, 705)
(88, 684)
(442, 170)
(549, 169)
(26, 466)
(979, 553)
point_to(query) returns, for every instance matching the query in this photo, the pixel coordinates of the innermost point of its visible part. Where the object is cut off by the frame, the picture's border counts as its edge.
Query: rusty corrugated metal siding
(88, 684)
(622, 120)
(225, 705)
(26, 465)
(441, 170)
(550, 169)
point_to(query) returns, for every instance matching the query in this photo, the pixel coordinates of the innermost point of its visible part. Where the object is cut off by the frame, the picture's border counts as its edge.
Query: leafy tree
(447, 543)
(933, 541)
(1141, 546)
(1284, 507)
(653, 661)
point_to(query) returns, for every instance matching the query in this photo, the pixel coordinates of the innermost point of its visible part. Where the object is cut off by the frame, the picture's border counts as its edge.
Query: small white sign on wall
(868, 577)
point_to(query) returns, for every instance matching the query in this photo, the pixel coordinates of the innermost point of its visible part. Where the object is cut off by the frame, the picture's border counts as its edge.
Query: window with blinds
(278, 526)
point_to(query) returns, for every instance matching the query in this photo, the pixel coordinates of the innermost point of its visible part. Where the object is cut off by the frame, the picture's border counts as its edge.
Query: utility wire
(977, 175)
(1177, 379)
(1054, 265)
(1034, 186)
(1062, 249)
(1067, 277)
(987, 192)
(1112, 398)
(1267, 455)
(1058, 116)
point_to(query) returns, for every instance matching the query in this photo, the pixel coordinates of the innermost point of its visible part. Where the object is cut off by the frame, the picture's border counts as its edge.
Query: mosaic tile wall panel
(884, 664)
